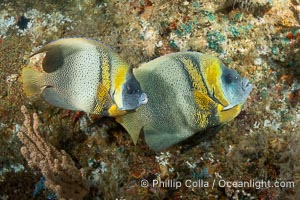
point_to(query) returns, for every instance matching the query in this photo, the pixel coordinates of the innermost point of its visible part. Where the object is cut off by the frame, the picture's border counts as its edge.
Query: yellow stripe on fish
(212, 72)
(198, 83)
(205, 104)
(200, 93)
(106, 71)
(120, 77)
(118, 82)
(103, 97)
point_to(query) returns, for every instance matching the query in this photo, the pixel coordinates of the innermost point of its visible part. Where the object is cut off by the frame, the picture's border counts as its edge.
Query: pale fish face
(132, 95)
(236, 88)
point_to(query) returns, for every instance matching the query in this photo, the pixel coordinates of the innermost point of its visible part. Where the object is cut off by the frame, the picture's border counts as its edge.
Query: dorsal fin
(58, 50)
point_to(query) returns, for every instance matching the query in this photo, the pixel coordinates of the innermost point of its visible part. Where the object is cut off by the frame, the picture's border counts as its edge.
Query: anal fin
(160, 139)
(133, 124)
(50, 95)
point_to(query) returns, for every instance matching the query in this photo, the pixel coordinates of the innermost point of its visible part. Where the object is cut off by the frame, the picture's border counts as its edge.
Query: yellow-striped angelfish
(188, 93)
(84, 75)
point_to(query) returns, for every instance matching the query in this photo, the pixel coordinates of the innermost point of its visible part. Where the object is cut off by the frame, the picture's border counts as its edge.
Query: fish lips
(143, 99)
(247, 86)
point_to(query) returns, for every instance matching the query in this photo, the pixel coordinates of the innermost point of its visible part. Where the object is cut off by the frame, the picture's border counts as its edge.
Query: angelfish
(84, 75)
(188, 93)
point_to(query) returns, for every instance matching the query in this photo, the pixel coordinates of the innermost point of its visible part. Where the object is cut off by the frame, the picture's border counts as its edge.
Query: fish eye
(229, 78)
(132, 90)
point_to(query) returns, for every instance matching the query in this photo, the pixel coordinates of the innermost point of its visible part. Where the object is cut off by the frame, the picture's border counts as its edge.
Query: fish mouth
(228, 107)
(246, 86)
(143, 99)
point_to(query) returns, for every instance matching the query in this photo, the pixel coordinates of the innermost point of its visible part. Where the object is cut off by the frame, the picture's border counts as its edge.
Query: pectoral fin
(229, 114)
(114, 111)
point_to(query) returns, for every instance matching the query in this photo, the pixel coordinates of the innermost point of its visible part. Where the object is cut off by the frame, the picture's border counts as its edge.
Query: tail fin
(133, 123)
(31, 79)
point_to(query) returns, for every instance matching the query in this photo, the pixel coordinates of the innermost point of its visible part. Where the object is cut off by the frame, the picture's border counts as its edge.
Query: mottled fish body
(82, 74)
(188, 92)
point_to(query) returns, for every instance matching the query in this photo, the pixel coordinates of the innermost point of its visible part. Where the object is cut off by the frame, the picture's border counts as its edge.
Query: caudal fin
(31, 79)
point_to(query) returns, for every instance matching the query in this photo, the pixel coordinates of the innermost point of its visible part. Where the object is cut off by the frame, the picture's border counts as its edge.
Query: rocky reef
(256, 156)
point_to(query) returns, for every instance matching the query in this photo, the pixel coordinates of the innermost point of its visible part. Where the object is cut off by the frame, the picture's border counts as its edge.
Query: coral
(289, 159)
(57, 167)
(215, 40)
(12, 187)
(6, 21)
